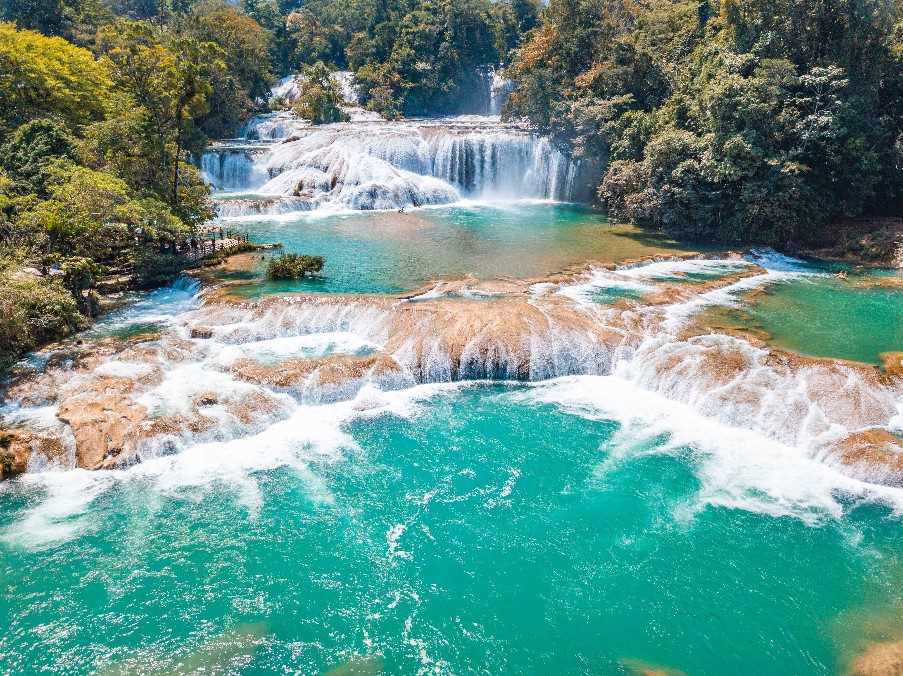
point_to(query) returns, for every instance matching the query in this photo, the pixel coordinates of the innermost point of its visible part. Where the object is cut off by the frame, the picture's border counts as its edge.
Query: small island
(293, 266)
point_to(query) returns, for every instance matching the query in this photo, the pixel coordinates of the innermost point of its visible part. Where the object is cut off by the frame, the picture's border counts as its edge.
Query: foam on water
(274, 350)
(643, 277)
(149, 309)
(383, 165)
(758, 429)
(738, 468)
(304, 439)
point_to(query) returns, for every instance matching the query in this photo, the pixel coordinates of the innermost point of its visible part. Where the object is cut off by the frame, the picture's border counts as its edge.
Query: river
(500, 434)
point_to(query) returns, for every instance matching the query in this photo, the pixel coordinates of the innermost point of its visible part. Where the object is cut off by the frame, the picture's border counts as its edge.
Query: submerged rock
(879, 659)
(640, 668)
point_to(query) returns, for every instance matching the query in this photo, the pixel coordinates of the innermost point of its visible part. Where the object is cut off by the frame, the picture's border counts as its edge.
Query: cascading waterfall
(372, 163)
(232, 168)
(386, 165)
(329, 347)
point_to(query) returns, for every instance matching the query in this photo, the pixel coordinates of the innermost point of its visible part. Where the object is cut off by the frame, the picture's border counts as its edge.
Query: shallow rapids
(524, 475)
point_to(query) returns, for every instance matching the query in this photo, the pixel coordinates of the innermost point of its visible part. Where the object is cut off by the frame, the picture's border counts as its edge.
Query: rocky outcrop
(512, 337)
(105, 421)
(18, 446)
(879, 659)
(324, 375)
(874, 454)
(14, 454)
(892, 363)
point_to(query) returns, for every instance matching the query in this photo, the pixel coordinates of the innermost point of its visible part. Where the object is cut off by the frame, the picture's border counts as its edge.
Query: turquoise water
(481, 531)
(387, 252)
(829, 317)
(582, 526)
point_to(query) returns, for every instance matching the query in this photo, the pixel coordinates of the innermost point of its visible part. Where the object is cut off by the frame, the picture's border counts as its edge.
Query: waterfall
(231, 168)
(499, 88)
(294, 166)
(495, 90)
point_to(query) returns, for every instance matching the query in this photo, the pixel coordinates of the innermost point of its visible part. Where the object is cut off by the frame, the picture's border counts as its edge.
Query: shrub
(320, 98)
(293, 266)
(156, 269)
(35, 310)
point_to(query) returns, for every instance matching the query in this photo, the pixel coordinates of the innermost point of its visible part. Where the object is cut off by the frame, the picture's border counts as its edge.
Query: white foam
(309, 437)
(123, 369)
(726, 296)
(737, 468)
(370, 165)
(60, 514)
(310, 345)
(643, 277)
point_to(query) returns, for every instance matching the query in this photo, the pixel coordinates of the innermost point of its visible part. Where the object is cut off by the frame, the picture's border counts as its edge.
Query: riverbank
(42, 308)
(876, 242)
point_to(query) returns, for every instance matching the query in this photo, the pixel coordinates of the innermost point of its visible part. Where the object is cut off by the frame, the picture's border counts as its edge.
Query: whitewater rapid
(285, 165)
(274, 383)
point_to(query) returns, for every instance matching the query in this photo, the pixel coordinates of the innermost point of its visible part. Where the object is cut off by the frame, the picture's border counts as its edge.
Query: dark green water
(477, 533)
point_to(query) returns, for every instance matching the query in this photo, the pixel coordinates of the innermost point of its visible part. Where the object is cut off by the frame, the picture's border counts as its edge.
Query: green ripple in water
(388, 252)
(828, 317)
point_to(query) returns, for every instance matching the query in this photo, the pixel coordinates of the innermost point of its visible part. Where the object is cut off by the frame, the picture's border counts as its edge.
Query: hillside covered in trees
(411, 57)
(761, 121)
(100, 117)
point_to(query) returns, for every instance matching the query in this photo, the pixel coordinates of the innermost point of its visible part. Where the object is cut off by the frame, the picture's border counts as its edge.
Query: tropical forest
(451, 336)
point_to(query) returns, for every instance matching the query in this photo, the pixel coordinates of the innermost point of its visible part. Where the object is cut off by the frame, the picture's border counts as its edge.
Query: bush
(293, 266)
(35, 310)
(320, 98)
(154, 269)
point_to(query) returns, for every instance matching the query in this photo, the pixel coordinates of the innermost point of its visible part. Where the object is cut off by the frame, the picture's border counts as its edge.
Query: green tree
(171, 82)
(320, 98)
(31, 148)
(47, 76)
(245, 49)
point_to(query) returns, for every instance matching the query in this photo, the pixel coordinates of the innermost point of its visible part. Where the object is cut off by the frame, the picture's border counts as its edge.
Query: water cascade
(328, 347)
(393, 439)
(281, 164)
(496, 88)
(386, 165)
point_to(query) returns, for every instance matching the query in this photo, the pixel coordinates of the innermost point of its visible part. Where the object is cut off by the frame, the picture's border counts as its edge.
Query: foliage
(169, 77)
(320, 97)
(417, 57)
(31, 148)
(95, 161)
(47, 76)
(93, 214)
(293, 266)
(35, 310)
(752, 120)
(155, 269)
(245, 46)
